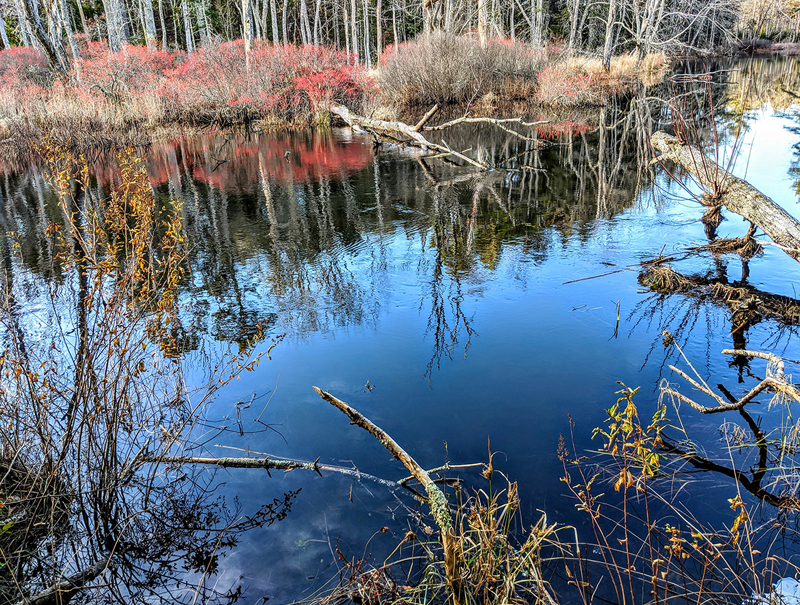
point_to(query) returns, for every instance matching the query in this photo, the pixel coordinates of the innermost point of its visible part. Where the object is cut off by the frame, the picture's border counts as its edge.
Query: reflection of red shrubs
(251, 158)
(212, 84)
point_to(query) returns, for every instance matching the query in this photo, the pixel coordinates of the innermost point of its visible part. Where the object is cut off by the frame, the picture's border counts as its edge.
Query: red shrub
(132, 70)
(287, 81)
(23, 67)
(559, 86)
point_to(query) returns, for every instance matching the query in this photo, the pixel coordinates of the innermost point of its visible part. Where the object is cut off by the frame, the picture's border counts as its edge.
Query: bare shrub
(442, 67)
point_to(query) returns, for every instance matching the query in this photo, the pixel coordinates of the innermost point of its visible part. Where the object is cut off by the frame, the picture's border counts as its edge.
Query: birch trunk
(163, 24)
(367, 58)
(483, 23)
(23, 25)
(149, 22)
(608, 47)
(317, 9)
(305, 34)
(734, 193)
(187, 26)
(378, 34)
(283, 22)
(273, 10)
(354, 30)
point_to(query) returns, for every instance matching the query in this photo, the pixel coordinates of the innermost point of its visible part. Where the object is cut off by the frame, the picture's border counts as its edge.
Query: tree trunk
(367, 57)
(346, 33)
(483, 23)
(23, 25)
(187, 27)
(354, 30)
(305, 27)
(51, 48)
(378, 34)
(734, 193)
(274, 16)
(149, 22)
(284, 17)
(608, 47)
(163, 24)
(317, 8)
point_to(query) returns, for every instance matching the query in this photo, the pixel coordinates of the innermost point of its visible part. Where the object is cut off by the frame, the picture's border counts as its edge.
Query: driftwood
(408, 134)
(436, 499)
(62, 592)
(736, 194)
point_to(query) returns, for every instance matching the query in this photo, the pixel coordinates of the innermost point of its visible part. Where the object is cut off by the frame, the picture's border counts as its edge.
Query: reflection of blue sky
(766, 156)
(543, 350)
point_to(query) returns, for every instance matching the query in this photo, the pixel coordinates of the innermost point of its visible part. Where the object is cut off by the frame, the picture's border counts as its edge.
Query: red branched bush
(282, 81)
(24, 78)
(214, 84)
(132, 70)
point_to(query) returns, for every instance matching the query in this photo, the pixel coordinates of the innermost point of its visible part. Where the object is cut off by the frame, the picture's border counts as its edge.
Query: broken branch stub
(736, 194)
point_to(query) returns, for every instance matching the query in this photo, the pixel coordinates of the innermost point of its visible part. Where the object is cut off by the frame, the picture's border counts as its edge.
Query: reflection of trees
(91, 384)
(295, 230)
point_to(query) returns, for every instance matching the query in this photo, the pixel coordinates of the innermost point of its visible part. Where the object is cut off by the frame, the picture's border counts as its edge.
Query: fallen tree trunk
(397, 130)
(736, 194)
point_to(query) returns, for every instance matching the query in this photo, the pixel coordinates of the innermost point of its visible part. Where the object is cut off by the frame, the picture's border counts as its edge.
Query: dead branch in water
(436, 499)
(63, 591)
(393, 130)
(736, 194)
(775, 381)
(270, 463)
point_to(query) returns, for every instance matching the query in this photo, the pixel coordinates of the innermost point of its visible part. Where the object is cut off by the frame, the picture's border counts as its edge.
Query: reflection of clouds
(290, 560)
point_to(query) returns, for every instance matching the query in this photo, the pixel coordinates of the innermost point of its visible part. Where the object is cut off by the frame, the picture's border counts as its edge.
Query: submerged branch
(270, 463)
(436, 498)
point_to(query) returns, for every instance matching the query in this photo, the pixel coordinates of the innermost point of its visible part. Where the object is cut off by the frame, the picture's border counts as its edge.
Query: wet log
(736, 194)
(436, 498)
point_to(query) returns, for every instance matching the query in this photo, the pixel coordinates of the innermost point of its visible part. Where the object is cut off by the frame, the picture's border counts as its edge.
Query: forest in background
(363, 28)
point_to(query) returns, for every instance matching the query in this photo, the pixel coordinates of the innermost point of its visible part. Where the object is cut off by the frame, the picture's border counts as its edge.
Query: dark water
(446, 293)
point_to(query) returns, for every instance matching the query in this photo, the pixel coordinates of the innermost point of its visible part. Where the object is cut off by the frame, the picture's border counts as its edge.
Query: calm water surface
(446, 292)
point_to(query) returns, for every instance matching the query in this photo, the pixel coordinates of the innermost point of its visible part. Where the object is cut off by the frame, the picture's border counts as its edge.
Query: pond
(458, 311)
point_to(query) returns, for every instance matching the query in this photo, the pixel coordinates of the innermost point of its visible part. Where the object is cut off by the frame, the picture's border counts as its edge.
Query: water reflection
(442, 286)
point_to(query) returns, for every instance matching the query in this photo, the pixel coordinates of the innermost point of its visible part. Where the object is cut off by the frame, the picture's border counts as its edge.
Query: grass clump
(441, 67)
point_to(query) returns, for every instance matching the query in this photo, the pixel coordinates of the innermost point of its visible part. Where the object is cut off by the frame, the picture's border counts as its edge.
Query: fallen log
(736, 194)
(406, 133)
